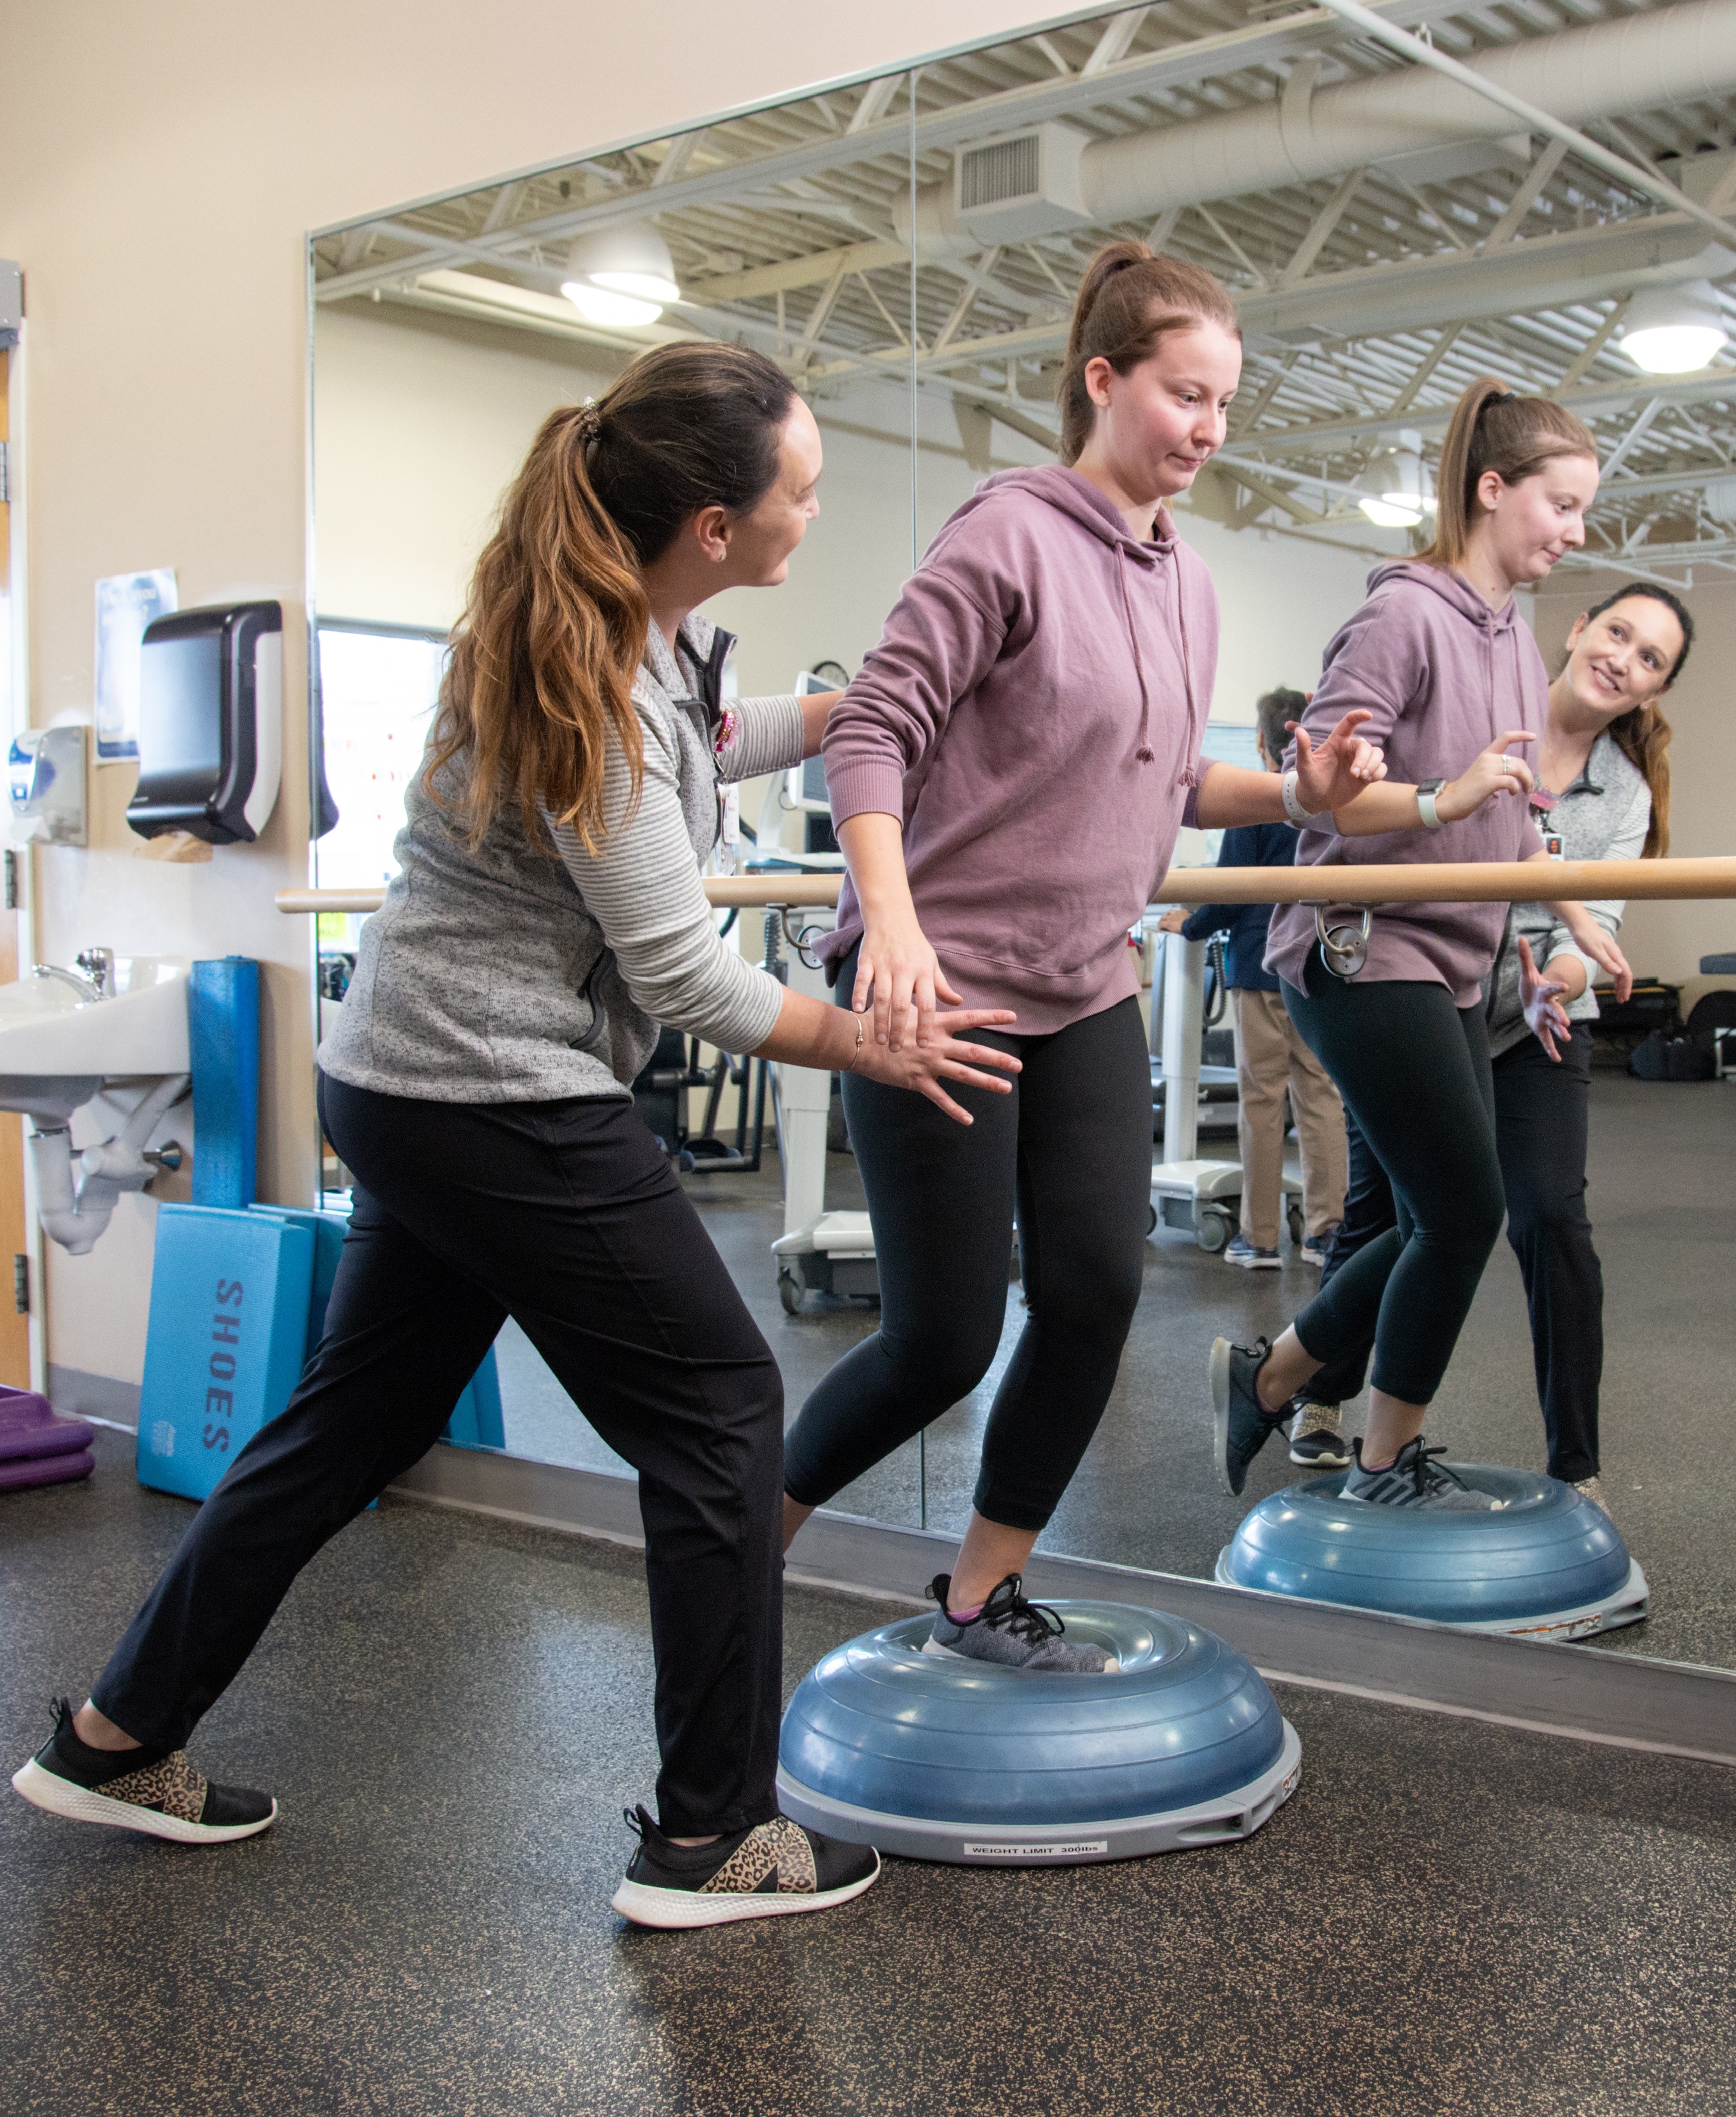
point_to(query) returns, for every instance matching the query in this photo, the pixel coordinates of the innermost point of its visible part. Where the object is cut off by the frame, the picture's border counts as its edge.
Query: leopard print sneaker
(154, 1790)
(775, 1867)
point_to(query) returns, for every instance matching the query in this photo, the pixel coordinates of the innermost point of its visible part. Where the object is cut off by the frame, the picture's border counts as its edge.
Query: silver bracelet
(1292, 807)
(857, 1053)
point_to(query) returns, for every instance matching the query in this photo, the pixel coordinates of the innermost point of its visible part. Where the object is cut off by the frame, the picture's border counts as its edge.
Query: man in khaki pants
(1270, 1054)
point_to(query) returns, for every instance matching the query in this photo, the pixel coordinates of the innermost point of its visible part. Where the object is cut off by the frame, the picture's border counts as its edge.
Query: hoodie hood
(1075, 496)
(1455, 592)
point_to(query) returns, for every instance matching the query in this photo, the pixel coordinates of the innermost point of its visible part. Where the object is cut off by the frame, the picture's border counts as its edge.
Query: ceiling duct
(1674, 55)
(1023, 185)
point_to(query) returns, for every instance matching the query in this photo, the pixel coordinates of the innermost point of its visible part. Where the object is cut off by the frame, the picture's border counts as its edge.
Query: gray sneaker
(1414, 1479)
(1012, 1633)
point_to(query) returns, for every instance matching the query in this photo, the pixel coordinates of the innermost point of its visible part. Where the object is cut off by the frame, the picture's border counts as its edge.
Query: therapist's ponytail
(554, 627)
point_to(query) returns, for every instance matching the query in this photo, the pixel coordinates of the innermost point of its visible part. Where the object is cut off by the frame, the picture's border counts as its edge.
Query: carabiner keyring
(1344, 948)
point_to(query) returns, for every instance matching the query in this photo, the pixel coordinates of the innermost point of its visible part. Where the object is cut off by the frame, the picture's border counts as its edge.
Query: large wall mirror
(907, 247)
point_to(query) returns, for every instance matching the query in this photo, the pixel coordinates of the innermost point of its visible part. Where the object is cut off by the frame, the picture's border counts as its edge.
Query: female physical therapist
(1007, 774)
(547, 915)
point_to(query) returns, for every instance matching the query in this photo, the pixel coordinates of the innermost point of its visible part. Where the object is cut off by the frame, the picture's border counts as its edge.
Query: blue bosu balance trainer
(937, 1758)
(1549, 1564)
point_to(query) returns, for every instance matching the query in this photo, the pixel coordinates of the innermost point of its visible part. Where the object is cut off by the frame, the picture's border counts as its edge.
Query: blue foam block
(477, 1420)
(223, 1031)
(228, 1334)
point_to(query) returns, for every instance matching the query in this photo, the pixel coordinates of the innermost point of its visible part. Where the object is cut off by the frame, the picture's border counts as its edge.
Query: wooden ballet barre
(1465, 881)
(1462, 881)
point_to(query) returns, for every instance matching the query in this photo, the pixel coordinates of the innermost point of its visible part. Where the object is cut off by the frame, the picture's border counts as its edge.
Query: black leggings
(1414, 1073)
(1072, 1146)
(567, 1216)
(1541, 1112)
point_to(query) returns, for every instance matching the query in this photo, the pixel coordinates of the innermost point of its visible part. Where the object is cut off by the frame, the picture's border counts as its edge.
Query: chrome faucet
(93, 981)
(98, 965)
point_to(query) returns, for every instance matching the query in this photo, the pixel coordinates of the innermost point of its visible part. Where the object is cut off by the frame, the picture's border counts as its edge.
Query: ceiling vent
(1020, 184)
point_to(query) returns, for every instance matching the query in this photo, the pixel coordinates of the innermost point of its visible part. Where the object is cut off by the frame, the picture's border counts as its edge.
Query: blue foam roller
(937, 1758)
(1549, 1563)
(225, 1342)
(223, 1035)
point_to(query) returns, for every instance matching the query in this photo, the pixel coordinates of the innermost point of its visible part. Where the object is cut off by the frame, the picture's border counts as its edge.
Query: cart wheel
(789, 1291)
(1150, 1220)
(1210, 1228)
(1297, 1226)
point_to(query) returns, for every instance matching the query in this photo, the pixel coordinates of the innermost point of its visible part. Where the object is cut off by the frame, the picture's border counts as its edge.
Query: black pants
(1071, 1146)
(1414, 1073)
(565, 1215)
(1541, 1113)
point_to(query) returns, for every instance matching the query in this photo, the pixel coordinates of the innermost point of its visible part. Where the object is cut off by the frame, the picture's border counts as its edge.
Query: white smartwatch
(1432, 817)
(1292, 807)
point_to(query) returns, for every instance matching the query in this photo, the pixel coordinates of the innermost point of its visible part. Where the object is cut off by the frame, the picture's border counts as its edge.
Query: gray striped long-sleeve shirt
(526, 973)
(1604, 815)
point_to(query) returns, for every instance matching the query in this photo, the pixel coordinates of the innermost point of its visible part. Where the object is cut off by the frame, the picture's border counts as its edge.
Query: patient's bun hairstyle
(1127, 300)
(1492, 429)
(554, 630)
(1642, 734)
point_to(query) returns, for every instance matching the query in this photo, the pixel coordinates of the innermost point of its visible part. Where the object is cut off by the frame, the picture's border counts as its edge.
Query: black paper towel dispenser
(211, 722)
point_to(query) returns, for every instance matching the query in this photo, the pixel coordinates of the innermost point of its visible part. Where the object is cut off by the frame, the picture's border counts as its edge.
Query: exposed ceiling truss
(1423, 235)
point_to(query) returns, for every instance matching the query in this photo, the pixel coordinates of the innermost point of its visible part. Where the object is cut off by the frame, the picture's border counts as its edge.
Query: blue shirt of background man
(1248, 845)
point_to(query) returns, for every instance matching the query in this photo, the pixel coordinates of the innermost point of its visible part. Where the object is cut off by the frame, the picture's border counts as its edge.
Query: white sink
(57, 1045)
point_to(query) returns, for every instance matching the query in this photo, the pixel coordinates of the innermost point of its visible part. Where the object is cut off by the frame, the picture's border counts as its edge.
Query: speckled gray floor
(1449, 1917)
(1662, 1199)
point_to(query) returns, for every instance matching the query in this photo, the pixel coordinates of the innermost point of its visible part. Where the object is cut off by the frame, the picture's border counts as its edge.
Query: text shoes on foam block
(154, 1790)
(773, 1868)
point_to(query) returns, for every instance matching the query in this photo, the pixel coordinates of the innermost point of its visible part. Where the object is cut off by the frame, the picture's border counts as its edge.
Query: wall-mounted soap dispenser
(211, 722)
(45, 780)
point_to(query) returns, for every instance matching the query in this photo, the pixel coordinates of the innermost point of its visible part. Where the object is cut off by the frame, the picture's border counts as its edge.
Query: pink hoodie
(1033, 715)
(1443, 675)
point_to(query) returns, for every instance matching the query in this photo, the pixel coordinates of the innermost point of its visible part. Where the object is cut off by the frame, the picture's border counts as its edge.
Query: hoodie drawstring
(1145, 753)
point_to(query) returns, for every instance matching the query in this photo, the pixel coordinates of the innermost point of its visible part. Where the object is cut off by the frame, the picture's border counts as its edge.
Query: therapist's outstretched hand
(924, 1067)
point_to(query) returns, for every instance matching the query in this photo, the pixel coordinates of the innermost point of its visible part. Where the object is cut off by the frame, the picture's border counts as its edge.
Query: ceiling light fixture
(1397, 488)
(622, 274)
(1674, 331)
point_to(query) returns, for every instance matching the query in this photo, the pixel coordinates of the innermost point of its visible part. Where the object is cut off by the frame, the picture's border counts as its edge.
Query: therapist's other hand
(1591, 940)
(924, 1067)
(896, 962)
(1540, 997)
(1172, 921)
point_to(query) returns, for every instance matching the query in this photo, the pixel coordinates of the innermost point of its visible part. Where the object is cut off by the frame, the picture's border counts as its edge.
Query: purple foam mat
(31, 1428)
(47, 1469)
